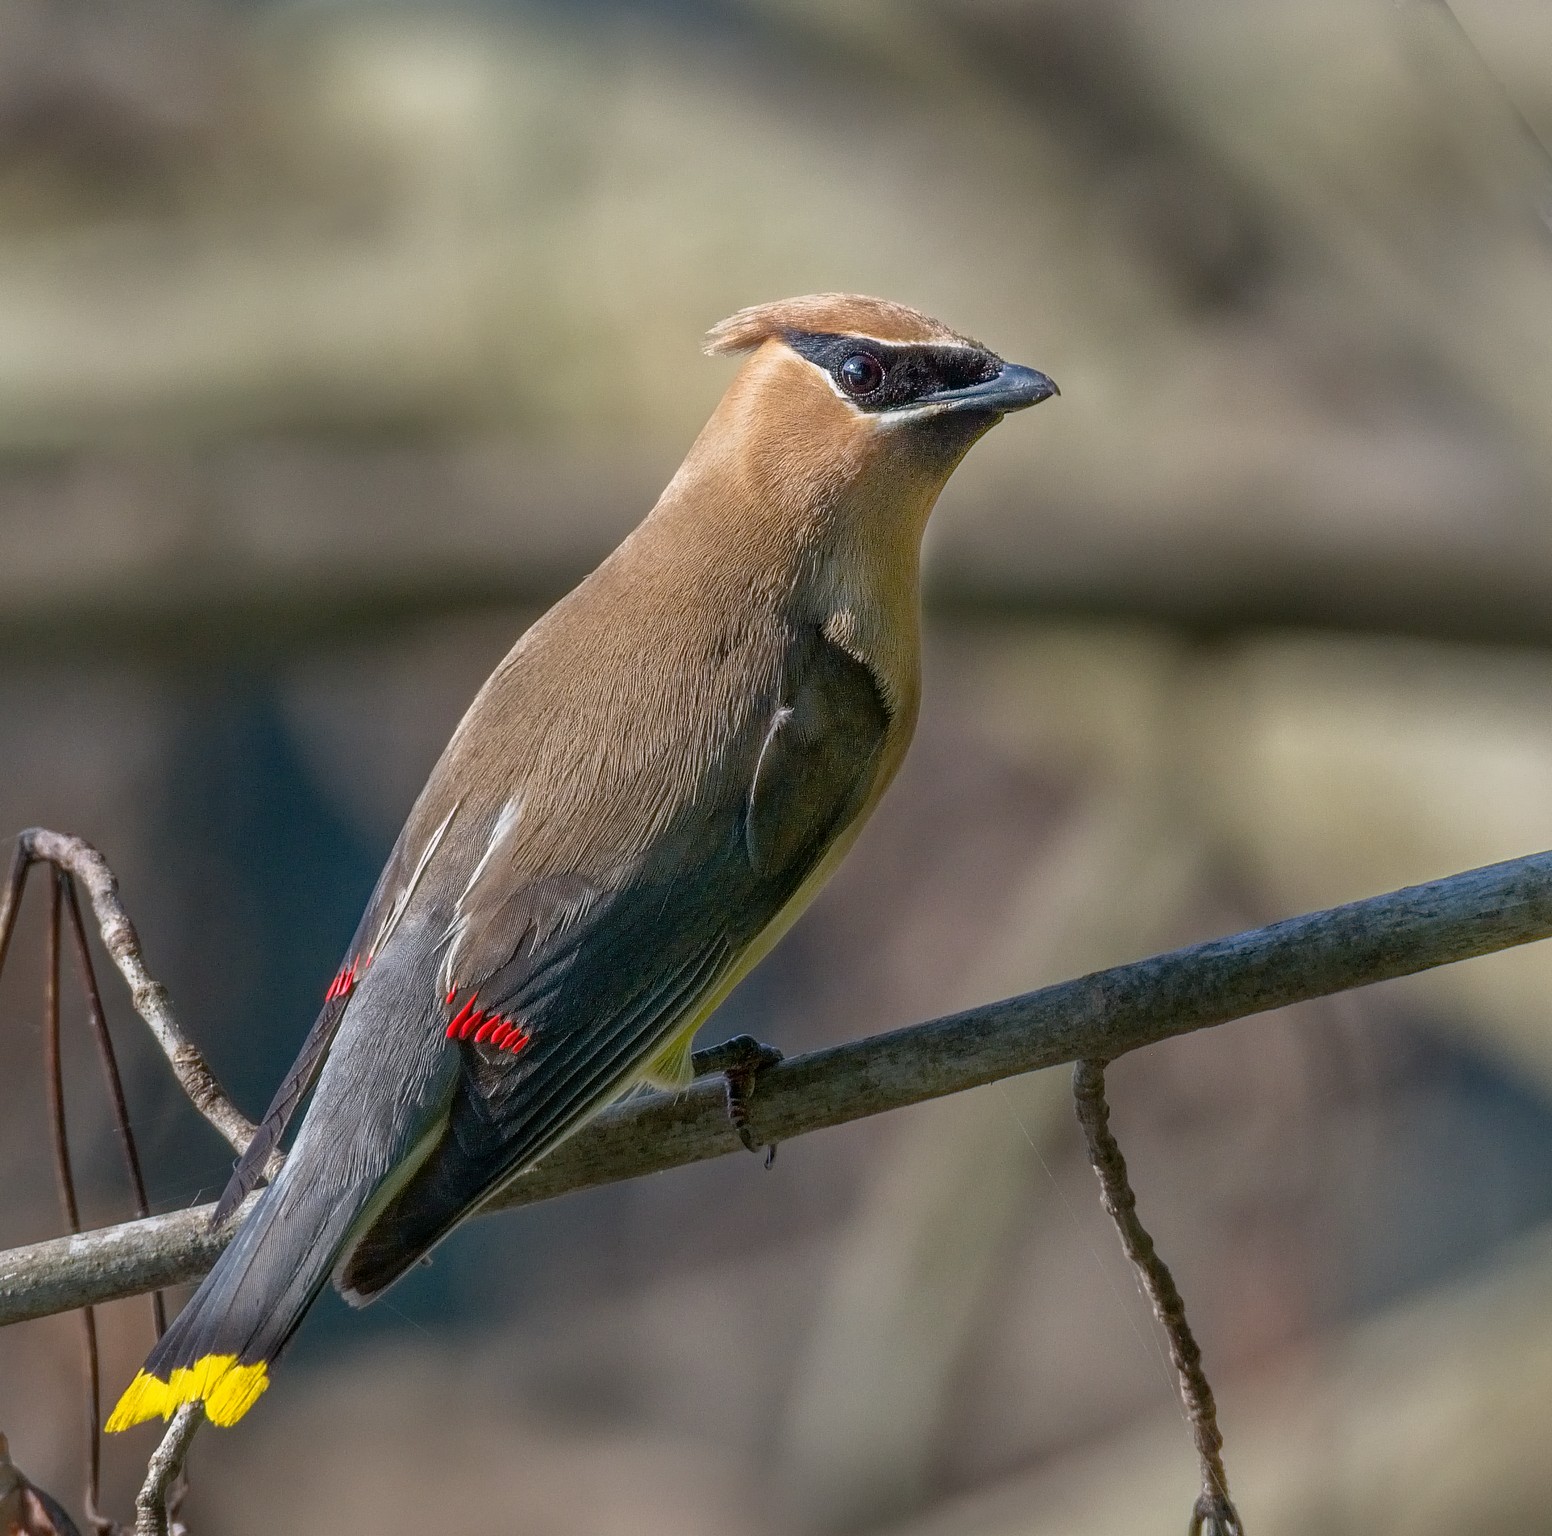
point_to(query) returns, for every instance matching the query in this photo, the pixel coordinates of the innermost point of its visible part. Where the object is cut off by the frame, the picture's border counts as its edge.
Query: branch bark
(1100, 1016)
(148, 996)
(153, 1517)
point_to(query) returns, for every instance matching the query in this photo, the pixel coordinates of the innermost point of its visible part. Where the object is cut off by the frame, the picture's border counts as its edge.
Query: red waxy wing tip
(485, 1028)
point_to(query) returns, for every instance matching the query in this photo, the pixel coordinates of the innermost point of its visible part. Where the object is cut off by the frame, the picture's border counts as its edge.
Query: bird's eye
(860, 374)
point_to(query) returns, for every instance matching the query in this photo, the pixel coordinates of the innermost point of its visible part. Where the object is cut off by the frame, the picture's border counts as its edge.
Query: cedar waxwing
(643, 797)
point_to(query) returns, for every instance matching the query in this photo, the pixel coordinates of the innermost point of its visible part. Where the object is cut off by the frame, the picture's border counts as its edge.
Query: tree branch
(153, 1517)
(1101, 1016)
(149, 996)
(1213, 1512)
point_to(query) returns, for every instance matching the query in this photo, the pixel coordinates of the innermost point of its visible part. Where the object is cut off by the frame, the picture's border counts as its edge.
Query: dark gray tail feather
(251, 1303)
(433, 1200)
(249, 1169)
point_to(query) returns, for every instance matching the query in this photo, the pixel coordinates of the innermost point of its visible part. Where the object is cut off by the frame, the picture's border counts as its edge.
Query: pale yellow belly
(670, 1068)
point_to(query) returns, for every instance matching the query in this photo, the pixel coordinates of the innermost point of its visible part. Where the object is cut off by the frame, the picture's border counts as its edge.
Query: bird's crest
(841, 314)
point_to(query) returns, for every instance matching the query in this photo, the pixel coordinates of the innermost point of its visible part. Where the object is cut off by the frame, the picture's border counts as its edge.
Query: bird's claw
(1215, 1516)
(740, 1061)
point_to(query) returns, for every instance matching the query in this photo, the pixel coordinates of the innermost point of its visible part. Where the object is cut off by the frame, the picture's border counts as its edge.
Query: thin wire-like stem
(114, 1082)
(148, 996)
(1214, 1514)
(11, 895)
(73, 859)
(1523, 125)
(53, 1067)
(112, 1077)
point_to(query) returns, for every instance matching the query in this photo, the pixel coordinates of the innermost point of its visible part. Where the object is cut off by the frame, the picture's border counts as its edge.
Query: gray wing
(596, 979)
(387, 904)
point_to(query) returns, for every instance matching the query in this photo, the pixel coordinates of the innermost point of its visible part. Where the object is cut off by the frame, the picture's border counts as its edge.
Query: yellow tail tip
(227, 1389)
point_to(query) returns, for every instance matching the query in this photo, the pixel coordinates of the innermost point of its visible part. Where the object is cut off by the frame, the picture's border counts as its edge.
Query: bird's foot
(1215, 1516)
(740, 1061)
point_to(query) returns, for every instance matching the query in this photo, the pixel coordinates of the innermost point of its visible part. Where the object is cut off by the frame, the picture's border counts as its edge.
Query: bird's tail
(219, 1348)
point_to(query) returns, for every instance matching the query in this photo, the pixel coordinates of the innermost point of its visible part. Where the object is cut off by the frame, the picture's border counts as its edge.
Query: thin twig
(11, 895)
(115, 1082)
(74, 859)
(131, 1153)
(1099, 1016)
(148, 995)
(1523, 125)
(1214, 1514)
(151, 1512)
(53, 1068)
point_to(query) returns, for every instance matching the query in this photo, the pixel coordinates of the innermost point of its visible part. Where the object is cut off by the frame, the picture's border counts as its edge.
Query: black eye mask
(911, 370)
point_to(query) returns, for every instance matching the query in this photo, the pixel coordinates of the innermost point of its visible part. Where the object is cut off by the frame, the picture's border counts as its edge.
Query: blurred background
(338, 339)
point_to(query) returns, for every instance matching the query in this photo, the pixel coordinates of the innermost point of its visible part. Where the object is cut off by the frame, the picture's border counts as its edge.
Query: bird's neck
(775, 525)
(867, 584)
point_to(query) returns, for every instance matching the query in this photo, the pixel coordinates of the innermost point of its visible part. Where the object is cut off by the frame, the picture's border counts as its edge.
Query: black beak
(1011, 388)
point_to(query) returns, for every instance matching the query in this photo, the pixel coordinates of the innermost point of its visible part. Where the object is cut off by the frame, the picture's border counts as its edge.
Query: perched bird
(643, 797)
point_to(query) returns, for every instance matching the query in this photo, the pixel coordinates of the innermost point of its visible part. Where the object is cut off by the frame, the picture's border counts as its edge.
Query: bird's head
(853, 400)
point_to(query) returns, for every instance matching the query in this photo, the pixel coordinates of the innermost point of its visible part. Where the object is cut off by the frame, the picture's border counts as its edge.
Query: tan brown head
(832, 314)
(885, 360)
(847, 393)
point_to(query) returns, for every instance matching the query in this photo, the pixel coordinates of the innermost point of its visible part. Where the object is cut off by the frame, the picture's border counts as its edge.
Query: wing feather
(601, 975)
(390, 898)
